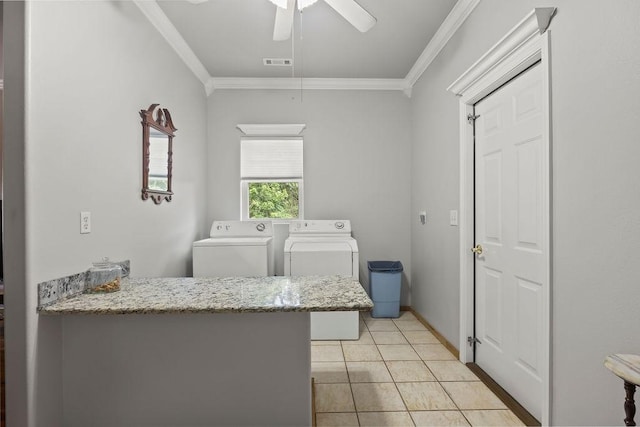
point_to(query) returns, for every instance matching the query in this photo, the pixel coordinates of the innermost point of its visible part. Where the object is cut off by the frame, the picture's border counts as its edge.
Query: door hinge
(473, 340)
(472, 118)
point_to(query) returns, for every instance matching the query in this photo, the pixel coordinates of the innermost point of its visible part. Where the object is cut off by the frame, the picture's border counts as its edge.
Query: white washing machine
(235, 248)
(324, 247)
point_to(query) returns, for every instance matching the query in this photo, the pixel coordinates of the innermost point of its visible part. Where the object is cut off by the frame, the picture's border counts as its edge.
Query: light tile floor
(398, 374)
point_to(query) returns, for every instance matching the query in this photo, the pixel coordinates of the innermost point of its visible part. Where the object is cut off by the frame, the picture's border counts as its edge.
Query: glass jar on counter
(103, 277)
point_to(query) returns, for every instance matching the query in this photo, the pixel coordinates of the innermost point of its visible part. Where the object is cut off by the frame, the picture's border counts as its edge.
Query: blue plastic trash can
(385, 279)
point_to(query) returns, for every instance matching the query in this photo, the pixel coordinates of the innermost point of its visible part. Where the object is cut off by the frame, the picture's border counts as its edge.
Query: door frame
(524, 45)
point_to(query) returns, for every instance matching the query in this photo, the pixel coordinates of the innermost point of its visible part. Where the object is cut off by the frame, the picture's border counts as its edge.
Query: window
(271, 178)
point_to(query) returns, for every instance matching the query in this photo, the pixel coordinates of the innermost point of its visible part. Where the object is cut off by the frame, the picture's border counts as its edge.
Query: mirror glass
(157, 153)
(158, 161)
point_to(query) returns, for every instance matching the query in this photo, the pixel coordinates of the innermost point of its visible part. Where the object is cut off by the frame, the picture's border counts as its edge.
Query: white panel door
(511, 271)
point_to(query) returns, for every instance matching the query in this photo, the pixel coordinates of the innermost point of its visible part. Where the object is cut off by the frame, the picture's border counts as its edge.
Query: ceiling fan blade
(354, 13)
(284, 21)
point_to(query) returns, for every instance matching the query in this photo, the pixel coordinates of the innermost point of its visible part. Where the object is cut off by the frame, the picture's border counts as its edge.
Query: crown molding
(460, 12)
(271, 129)
(208, 86)
(525, 31)
(157, 17)
(288, 83)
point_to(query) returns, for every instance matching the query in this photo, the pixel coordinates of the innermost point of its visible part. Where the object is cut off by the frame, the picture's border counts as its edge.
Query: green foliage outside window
(160, 184)
(273, 200)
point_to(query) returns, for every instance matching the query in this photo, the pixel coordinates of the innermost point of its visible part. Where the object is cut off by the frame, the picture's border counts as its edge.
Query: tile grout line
(354, 398)
(413, 420)
(454, 402)
(460, 410)
(401, 396)
(424, 363)
(395, 384)
(434, 376)
(445, 390)
(438, 381)
(392, 378)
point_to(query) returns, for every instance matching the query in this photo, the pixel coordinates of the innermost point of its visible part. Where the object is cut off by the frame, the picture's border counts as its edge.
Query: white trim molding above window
(273, 163)
(271, 129)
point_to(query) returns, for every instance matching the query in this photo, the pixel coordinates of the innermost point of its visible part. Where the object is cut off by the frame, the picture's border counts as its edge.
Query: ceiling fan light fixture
(354, 13)
(350, 10)
(284, 20)
(280, 3)
(305, 3)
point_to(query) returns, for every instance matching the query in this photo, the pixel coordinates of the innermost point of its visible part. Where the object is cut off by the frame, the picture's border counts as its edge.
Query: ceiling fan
(350, 10)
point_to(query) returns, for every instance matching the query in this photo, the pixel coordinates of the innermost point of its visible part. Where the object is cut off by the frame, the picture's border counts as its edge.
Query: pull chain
(301, 58)
(293, 49)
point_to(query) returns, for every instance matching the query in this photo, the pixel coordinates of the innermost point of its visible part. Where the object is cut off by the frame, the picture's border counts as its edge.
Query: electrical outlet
(85, 222)
(453, 217)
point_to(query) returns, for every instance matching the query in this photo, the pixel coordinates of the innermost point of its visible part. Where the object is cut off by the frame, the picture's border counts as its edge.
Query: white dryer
(235, 248)
(324, 247)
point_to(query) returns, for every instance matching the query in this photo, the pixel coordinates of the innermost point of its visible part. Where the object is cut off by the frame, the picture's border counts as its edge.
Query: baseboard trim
(507, 399)
(433, 330)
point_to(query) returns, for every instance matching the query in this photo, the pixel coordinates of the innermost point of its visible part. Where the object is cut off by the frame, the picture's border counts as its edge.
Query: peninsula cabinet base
(187, 369)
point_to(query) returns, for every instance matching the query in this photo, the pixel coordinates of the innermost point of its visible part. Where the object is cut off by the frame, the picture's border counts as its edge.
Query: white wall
(596, 208)
(356, 161)
(91, 67)
(83, 110)
(216, 369)
(434, 170)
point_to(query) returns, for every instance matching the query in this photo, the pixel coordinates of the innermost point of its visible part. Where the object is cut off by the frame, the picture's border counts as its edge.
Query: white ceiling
(231, 37)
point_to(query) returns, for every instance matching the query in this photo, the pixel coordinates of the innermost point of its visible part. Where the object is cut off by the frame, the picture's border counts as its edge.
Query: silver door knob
(477, 250)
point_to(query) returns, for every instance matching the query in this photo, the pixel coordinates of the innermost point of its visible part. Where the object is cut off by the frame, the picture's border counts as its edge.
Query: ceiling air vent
(277, 62)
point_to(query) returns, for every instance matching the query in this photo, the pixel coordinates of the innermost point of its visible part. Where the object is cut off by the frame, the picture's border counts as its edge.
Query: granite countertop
(625, 366)
(221, 295)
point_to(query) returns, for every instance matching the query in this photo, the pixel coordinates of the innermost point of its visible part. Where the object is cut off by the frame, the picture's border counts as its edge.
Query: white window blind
(158, 148)
(271, 159)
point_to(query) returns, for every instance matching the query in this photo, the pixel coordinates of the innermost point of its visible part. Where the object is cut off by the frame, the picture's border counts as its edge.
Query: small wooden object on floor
(627, 367)
(313, 402)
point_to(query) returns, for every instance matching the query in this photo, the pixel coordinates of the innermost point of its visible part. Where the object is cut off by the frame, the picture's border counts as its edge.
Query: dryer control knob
(260, 226)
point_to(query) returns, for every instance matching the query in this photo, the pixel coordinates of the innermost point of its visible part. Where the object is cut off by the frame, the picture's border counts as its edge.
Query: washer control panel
(241, 229)
(320, 227)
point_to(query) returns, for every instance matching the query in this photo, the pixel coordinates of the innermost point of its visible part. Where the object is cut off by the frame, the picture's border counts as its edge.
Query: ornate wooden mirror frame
(157, 133)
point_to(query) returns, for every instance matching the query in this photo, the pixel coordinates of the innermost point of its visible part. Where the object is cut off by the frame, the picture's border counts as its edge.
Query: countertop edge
(53, 312)
(348, 295)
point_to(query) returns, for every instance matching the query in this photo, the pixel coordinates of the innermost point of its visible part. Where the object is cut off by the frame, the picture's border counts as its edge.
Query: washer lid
(233, 241)
(321, 244)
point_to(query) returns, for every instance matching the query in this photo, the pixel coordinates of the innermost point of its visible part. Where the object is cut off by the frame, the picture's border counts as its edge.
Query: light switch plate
(85, 222)
(453, 217)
